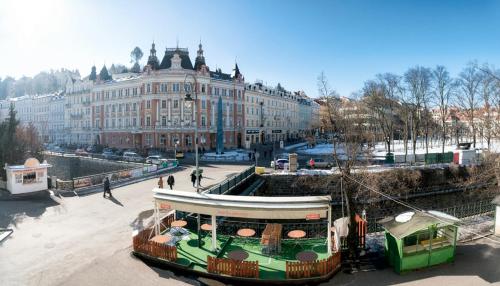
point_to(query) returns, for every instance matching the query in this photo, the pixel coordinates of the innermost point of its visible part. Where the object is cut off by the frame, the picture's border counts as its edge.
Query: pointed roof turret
(200, 59)
(93, 74)
(104, 74)
(236, 72)
(153, 60)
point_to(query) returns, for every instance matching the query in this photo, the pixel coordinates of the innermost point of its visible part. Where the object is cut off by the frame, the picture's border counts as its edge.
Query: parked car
(320, 163)
(109, 155)
(179, 155)
(81, 152)
(132, 157)
(155, 159)
(279, 163)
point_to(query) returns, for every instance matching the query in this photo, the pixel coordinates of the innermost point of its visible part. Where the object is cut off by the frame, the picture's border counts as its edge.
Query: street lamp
(188, 99)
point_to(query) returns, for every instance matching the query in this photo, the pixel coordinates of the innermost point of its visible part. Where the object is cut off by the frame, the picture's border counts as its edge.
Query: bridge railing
(229, 183)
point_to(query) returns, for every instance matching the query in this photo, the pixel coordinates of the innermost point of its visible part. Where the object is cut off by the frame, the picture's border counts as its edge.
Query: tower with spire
(200, 59)
(236, 74)
(153, 60)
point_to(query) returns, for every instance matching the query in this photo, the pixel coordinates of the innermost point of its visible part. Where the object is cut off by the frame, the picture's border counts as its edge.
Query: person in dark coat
(170, 181)
(193, 178)
(107, 188)
(199, 180)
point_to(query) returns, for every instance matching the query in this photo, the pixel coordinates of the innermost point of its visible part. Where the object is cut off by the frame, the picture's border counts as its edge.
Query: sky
(288, 42)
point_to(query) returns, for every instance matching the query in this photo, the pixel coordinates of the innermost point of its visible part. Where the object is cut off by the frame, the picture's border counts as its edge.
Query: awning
(416, 221)
(244, 206)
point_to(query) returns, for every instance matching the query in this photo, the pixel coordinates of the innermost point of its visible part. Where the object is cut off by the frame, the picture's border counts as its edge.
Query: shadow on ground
(14, 209)
(479, 259)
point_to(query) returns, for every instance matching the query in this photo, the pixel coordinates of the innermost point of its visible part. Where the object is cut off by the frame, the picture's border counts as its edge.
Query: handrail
(229, 183)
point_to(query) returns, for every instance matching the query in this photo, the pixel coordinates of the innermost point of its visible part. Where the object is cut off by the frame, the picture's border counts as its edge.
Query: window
(148, 88)
(148, 121)
(134, 122)
(113, 108)
(134, 91)
(176, 87)
(203, 123)
(148, 104)
(127, 107)
(203, 104)
(113, 123)
(203, 88)
(187, 87)
(29, 178)
(134, 107)
(163, 121)
(163, 139)
(176, 103)
(163, 104)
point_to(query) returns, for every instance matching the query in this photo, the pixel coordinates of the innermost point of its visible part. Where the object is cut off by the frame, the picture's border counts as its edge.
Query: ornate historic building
(148, 109)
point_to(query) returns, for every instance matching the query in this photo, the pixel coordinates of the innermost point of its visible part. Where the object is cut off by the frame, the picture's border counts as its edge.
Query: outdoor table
(237, 255)
(206, 227)
(245, 232)
(178, 223)
(161, 238)
(297, 234)
(306, 256)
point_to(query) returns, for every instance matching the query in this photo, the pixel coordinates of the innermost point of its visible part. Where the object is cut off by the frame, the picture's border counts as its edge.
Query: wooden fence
(143, 244)
(317, 268)
(248, 269)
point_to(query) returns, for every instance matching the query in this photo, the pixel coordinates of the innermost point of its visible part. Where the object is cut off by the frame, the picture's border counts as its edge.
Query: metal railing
(228, 184)
(474, 209)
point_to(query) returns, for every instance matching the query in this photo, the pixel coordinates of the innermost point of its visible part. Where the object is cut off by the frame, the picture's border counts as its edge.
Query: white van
(132, 157)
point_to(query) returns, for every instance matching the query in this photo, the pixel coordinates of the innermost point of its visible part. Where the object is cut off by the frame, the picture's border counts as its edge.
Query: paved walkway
(86, 240)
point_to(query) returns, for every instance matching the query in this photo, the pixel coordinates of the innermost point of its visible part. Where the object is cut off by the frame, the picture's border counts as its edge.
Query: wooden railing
(317, 268)
(248, 269)
(143, 244)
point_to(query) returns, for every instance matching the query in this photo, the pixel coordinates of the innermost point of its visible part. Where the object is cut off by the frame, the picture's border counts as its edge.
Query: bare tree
(487, 89)
(348, 121)
(418, 86)
(468, 97)
(443, 90)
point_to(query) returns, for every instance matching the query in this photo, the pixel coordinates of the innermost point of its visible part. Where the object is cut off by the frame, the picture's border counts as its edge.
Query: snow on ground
(396, 148)
(474, 227)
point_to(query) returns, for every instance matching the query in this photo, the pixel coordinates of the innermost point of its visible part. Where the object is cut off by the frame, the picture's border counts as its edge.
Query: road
(86, 240)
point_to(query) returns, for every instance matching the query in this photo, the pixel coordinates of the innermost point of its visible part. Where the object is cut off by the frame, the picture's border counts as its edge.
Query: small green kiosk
(420, 239)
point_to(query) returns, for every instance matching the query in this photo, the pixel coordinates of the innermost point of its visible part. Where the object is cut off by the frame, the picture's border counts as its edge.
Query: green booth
(420, 239)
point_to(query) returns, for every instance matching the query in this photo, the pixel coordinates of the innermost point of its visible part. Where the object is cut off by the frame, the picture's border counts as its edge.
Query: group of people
(170, 182)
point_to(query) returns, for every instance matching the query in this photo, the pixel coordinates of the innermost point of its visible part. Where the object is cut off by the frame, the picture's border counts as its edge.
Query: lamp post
(188, 99)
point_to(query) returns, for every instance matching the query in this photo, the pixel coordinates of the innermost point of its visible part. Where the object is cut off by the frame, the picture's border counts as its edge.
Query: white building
(45, 112)
(274, 114)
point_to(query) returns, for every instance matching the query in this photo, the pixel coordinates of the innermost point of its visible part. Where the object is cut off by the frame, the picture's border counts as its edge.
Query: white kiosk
(27, 178)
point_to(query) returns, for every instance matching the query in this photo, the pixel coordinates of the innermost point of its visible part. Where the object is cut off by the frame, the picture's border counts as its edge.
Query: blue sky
(289, 42)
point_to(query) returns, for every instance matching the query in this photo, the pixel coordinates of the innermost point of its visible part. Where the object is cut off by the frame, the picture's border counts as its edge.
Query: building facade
(149, 110)
(274, 114)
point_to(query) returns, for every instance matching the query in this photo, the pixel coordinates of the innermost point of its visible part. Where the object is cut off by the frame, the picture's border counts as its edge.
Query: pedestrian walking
(311, 163)
(170, 181)
(193, 178)
(160, 183)
(107, 188)
(199, 180)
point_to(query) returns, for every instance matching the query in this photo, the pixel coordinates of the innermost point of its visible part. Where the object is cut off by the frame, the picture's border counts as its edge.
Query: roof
(183, 54)
(417, 221)
(220, 75)
(244, 206)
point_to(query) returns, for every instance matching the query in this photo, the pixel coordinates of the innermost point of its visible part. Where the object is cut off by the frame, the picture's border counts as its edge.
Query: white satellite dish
(405, 217)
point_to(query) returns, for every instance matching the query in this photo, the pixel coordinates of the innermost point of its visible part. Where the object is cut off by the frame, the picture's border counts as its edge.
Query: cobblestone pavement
(86, 240)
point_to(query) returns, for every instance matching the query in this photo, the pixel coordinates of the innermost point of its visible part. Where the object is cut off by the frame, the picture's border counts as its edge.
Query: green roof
(399, 227)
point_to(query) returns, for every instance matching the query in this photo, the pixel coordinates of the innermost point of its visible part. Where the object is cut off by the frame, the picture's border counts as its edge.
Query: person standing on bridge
(193, 178)
(107, 188)
(170, 181)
